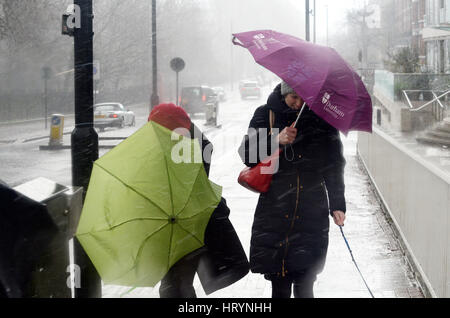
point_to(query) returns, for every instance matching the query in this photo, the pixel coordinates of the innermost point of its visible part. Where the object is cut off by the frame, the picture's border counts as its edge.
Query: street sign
(46, 72)
(177, 64)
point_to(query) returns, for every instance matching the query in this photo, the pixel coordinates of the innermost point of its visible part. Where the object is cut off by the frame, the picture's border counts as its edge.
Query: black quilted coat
(291, 222)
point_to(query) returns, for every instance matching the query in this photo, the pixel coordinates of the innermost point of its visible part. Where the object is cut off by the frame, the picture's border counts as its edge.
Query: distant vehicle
(200, 99)
(249, 89)
(112, 115)
(220, 93)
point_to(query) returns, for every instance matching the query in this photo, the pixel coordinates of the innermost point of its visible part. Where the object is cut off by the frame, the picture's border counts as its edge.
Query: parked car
(200, 99)
(220, 93)
(249, 89)
(112, 115)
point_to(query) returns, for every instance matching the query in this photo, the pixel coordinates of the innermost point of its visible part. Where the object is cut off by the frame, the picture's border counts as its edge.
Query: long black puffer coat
(291, 222)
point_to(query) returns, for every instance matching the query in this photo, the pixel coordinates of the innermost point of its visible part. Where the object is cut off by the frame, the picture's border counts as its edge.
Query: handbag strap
(271, 121)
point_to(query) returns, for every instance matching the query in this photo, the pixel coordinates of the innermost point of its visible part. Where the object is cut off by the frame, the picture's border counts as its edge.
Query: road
(21, 160)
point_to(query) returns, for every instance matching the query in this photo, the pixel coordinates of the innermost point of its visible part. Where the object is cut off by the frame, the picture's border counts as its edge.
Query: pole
(232, 13)
(95, 92)
(176, 102)
(327, 25)
(315, 13)
(364, 29)
(84, 139)
(231, 56)
(45, 102)
(307, 20)
(155, 97)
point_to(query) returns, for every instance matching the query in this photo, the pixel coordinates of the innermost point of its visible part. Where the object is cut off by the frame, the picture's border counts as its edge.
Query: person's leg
(304, 284)
(281, 287)
(178, 282)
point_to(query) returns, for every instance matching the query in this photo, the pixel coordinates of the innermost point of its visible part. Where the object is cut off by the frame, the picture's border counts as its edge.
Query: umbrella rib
(354, 86)
(351, 71)
(140, 250)
(125, 222)
(210, 187)
(192, 189)
(170, 248)
(167, 171)
(134, 190)
(171, 197)
(323, 82)
(198, 240)
(170, 188)
(192, 216)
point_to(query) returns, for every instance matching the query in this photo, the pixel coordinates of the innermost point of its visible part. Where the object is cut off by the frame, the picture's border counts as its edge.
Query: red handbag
(259, 177)
(256, 179)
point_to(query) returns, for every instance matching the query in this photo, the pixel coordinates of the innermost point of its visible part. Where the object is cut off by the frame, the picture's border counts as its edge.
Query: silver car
(112, 115)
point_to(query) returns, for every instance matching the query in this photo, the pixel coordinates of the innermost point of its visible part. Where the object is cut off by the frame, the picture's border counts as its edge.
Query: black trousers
(178, 282)
(303, 283)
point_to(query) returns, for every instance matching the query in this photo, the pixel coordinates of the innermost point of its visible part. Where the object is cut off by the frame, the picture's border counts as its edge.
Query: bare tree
(25, 23)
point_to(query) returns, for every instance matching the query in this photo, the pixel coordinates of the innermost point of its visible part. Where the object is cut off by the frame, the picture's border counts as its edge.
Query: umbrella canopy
(324, 80)
(143, 210)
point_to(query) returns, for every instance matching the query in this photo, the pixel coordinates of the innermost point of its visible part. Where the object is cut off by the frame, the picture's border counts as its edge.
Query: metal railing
(392, 84)
(438, 109)
(435, 99)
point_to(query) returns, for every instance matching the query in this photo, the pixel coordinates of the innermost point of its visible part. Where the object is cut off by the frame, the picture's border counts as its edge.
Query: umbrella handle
(235, 42)
(298, 117)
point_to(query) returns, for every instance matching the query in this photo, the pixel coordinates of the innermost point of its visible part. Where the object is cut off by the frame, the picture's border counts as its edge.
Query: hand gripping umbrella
(143, 211)
(330, 87)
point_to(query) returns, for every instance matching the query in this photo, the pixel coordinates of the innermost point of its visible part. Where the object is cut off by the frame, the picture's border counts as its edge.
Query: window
(191, 92)
(441, 57)
(108, 108)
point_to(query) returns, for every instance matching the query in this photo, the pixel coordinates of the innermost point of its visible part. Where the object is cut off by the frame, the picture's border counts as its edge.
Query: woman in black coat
(290, 228)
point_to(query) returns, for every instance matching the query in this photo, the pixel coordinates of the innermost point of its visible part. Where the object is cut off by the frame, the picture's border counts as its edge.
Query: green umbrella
(144, 211)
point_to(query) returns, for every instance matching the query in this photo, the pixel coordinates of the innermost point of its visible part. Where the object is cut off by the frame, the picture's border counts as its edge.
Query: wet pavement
(367, 229)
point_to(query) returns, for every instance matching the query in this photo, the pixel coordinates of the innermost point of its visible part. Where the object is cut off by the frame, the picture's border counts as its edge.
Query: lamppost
(84, 139)
(315, 14)
(307, 20)
(46, 75)
(327, 23)
(154, 97)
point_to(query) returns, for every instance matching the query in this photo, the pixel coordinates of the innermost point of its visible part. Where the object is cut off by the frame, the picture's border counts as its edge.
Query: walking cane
(353, 259)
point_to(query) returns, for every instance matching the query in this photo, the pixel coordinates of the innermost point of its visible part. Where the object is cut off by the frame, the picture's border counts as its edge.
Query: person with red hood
(222, 261)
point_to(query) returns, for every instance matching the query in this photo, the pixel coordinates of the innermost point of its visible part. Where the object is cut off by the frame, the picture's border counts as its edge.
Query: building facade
(422, 25)
(418, 23)
(436, 34)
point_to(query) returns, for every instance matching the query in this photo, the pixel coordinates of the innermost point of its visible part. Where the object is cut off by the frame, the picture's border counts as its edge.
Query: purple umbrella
(328, 84)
